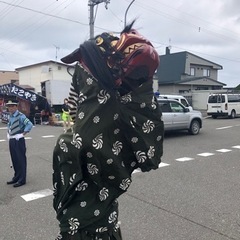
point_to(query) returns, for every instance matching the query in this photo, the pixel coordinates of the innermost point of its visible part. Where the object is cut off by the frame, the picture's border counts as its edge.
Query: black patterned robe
(112, 136)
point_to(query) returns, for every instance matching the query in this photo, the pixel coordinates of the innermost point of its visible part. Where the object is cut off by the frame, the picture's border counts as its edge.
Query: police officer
(18, 126)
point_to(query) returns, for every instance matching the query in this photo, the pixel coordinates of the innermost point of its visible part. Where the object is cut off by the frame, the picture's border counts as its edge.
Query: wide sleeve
(141, 117)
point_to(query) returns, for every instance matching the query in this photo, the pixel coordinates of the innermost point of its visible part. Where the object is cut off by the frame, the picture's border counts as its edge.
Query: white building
(33, 75)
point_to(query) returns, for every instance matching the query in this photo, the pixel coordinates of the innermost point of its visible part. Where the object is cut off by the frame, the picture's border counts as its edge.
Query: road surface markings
(36, 195)
(48, 192)
(159, 166)
(162, 164)
(224, 150)
(223, 127)
(184, 159)
(27, 138)
(205, 154)
(136, 171)
(2, 140)
(238, 146)
(48, 136)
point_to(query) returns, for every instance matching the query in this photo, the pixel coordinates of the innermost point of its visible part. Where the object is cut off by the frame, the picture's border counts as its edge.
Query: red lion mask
(130, 56)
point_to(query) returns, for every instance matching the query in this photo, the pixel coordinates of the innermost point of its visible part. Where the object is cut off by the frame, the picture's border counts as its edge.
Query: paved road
(193, 195)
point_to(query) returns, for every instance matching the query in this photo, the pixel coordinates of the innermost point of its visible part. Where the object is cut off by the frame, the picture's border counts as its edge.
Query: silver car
(177, 117)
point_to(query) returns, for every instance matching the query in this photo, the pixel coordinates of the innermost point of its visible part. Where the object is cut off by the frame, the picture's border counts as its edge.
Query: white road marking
(237, 146)
(48, 136)
(48, 192)
(2, 140)
(136, 171)
(160, 165)
(36, 195)
(205, 154)
(224, 150)
(224, 127)
(184, 159)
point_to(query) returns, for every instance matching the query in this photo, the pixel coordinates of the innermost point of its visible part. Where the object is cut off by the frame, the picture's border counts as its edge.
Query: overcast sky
(36, 31)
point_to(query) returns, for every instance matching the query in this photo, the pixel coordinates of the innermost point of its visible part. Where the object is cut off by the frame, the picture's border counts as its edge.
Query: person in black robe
(117, 129)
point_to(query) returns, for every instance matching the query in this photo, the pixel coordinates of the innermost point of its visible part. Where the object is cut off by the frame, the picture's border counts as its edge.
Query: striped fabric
(72, 102)
(15, 126)
(18, 123)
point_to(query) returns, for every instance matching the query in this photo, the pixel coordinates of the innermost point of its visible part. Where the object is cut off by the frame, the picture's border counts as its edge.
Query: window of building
(192, 71)
(206, 72)
(201, 88)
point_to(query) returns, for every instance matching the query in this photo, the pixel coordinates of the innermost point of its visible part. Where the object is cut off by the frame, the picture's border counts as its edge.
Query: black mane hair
(128, 27)
(94, 60)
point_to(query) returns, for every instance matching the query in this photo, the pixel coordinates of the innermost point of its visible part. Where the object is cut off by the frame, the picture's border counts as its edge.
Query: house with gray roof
(184, 72)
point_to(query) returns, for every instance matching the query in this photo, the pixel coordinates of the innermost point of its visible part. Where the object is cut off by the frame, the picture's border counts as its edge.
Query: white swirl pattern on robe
(94, 160)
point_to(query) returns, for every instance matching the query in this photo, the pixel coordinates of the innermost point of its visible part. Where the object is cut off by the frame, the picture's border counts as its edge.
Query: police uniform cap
(11, 102)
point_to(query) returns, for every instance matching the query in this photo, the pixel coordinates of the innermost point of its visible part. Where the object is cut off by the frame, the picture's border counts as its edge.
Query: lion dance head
(125, 61)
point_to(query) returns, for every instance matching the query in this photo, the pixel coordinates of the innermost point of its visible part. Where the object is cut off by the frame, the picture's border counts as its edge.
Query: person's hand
(8, 136)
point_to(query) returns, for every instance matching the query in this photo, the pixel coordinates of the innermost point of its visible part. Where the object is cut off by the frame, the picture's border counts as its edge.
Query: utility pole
(92, 4)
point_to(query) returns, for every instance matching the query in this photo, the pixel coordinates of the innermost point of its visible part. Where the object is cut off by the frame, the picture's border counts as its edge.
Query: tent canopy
(14, 90)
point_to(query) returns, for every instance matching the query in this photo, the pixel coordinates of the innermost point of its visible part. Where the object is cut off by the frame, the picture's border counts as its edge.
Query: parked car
(177, 117)
(179, 98)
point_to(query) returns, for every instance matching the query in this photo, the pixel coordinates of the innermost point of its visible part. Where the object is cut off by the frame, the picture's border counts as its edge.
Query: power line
(183, 21)
(146, 7)
(46, 14)
(8, 9)
(19, 31)
(196, 17)
(51, 15)
(192, 51)
(44, 21)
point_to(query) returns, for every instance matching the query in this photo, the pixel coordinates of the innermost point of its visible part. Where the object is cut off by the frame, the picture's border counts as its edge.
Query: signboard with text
(15, 90)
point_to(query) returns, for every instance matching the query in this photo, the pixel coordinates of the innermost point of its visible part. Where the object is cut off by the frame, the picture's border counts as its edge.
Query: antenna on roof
(169, 46)
(57, 49)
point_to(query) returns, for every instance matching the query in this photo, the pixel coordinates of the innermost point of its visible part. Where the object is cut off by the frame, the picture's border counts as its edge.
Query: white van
(179, 98)
(223, 104)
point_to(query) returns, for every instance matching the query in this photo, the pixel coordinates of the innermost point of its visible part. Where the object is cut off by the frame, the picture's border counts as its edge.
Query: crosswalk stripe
(224, 150)
(159, 166)
(205, 154)
(184, 159)
(238, 146)
(224, 127)
(48, 136)
(36, 195)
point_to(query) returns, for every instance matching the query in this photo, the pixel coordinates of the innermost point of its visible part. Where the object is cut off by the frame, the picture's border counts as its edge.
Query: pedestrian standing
(65, 115)
(18, 126)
